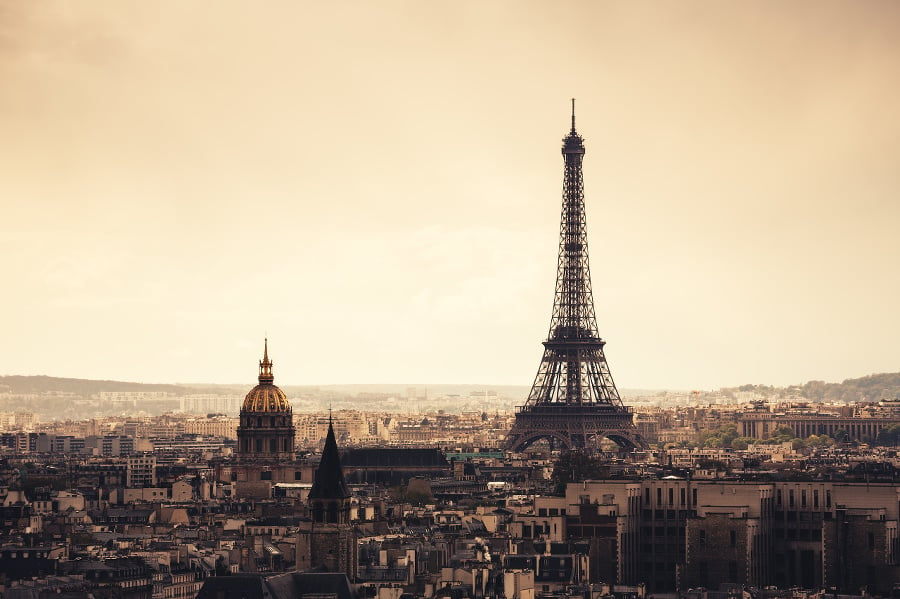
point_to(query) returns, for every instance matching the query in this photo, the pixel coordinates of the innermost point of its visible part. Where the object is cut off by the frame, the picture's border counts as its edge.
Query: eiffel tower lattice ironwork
(573, 401)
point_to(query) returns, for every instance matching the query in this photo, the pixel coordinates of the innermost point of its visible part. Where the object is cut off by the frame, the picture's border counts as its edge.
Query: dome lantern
(266, 398)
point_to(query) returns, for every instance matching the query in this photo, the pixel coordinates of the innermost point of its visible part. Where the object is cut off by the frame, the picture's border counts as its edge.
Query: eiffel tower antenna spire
(573, 115)
(573, 401)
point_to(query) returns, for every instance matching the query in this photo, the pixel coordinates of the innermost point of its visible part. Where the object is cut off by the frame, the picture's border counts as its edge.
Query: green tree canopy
(889, 436)
(720, 437)
(575, 467)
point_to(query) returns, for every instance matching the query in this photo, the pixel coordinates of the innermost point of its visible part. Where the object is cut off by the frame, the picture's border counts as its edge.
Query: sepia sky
(377, 186)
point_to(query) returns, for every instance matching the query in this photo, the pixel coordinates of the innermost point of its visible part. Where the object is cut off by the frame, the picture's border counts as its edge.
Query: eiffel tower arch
(573, 402)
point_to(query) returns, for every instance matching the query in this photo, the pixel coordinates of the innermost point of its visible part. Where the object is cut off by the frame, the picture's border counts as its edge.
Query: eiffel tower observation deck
(573, 403)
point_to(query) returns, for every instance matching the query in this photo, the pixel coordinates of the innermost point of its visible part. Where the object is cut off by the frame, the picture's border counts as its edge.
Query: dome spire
(265, 366)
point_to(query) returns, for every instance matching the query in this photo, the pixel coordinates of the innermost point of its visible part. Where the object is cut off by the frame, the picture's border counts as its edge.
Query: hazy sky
(377, 186)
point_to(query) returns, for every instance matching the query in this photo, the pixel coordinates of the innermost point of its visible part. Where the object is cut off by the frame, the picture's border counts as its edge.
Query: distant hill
(874, 387)
(41, 384)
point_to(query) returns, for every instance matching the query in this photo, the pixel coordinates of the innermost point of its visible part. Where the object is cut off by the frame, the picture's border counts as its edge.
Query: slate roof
(395, 457)
(329, 482)
(235, 586)
(295, 585)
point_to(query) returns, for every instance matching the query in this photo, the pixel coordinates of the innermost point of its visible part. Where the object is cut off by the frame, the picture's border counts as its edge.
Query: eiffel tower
(573, 402)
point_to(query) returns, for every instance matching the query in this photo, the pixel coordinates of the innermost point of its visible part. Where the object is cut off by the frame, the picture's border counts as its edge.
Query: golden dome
(266, 397)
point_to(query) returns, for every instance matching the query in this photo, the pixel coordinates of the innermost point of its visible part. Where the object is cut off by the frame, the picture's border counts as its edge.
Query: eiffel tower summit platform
(573, 403)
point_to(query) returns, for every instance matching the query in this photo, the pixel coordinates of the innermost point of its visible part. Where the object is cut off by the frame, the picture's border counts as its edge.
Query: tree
(783, 434)
(742, 442)
(720, 437)
(713, 442)
(818, 441)
(576, 467)
(889, 436)
(840, 435)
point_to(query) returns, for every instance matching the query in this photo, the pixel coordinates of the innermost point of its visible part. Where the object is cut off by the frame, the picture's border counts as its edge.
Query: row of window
(794, 516)
(25, 554)
(273, 445)
(272, 421)
(267, 475)
(667, 514)
(682, 496)
(799, 534)
(803, 498)
(662, 531)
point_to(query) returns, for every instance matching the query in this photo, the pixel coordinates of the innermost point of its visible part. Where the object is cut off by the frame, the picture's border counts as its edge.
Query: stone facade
(680, 533)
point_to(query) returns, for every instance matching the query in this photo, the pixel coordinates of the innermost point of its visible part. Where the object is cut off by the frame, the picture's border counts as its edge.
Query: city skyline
(377, 188)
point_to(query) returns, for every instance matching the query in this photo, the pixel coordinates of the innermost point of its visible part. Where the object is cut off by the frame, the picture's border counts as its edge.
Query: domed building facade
(266, 429)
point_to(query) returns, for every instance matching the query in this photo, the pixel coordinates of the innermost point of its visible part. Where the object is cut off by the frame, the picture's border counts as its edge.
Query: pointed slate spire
(329, 482)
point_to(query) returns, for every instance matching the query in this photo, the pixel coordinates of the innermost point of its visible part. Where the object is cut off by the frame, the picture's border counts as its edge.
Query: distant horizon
(402, 386)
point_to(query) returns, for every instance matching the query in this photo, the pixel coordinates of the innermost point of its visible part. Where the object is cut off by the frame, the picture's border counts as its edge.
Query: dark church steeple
(329, 497)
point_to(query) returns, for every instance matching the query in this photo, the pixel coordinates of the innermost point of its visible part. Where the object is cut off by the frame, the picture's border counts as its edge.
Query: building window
(815, 498)
(828, 498)
(702, 537)
(803, 498)
(671, 496)
(694, 496)
(733, 538)
(791, 498)
(658, 495)
(265, 475)
(683, 494)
